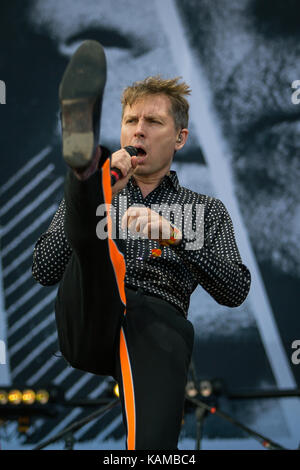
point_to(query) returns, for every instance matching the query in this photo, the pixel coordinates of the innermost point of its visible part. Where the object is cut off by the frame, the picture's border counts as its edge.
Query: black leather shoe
(80, 94)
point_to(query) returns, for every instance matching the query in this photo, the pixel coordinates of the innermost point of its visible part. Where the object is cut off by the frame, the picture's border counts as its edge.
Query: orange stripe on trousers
(115, 255)
(119, 266)
(128, 392)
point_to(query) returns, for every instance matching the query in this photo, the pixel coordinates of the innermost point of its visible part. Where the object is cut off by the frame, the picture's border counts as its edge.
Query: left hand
(150, 224)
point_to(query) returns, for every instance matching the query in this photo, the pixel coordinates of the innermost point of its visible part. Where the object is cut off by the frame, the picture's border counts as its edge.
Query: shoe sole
(80, 95)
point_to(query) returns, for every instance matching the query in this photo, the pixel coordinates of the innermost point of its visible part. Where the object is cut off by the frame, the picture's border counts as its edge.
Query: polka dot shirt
(208, 254)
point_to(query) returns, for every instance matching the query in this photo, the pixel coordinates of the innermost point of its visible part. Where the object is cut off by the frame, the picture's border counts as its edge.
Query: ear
(181, 139)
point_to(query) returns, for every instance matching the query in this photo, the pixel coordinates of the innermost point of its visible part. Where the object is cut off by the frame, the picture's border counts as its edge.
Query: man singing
(124, 294)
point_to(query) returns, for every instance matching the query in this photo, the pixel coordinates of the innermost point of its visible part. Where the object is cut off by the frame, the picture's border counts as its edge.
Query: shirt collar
(171, 179)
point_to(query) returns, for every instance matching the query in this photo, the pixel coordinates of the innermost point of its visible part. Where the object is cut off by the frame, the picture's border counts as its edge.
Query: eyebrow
(147, 117)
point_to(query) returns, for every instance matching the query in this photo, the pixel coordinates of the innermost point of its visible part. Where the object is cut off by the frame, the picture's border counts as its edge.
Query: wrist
(175, 238)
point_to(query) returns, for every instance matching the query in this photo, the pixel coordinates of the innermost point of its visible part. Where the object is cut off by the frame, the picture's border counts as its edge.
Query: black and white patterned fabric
(212, 261)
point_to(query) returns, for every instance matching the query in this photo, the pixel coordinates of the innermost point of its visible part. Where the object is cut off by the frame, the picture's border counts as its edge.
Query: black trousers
(142, 341)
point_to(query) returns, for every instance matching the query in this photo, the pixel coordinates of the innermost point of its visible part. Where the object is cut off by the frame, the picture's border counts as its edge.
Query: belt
(154, 298)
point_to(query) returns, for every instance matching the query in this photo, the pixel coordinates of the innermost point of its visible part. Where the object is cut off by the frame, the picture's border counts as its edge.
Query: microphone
(117, 174)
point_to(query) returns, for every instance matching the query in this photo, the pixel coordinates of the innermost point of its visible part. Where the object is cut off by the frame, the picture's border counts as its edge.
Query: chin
(140, 171)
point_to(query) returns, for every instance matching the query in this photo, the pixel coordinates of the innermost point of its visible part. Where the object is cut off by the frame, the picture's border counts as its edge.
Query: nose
(140, 129)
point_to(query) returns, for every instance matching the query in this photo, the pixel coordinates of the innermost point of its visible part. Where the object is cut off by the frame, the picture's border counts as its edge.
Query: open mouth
(141, 152)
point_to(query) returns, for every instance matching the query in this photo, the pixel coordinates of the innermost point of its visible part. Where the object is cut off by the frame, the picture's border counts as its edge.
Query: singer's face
(148, 123)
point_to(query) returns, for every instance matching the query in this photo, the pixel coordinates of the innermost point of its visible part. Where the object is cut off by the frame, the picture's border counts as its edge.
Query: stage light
(42, 396)
(21, 401)
(116, 390)
(191, 390)
(206, 388)
(3, 397)
(15, 397)
(28, 397)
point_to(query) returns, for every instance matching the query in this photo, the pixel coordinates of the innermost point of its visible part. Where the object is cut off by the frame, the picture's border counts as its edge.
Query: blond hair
(156, 85)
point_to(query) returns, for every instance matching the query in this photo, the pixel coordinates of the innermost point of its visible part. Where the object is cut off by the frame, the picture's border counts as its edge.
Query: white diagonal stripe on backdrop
(26, 189)
(18, 282)
(99, 389)
(17, 261)
(31, 207)
(33, 332)
(36, 377)
(63, 375)
(27, 167)
(22, 300)
(21, 236)
(78, 385)
(31, 313)
(35, 353)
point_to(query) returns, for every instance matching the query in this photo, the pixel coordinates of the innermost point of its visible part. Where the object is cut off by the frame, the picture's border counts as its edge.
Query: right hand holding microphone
(123, 161)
